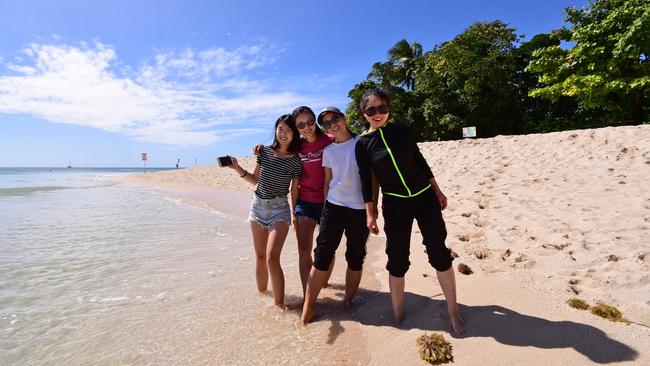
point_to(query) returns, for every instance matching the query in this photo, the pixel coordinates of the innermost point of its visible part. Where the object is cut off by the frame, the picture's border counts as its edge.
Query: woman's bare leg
(329, 272)
(260, 236)
(314, 284)
(277, 235)
(396, 285)
(352, 280)
(447, 282)
(305, 236)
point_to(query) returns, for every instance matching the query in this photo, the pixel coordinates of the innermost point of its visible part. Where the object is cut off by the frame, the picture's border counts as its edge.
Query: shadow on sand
(504, 325)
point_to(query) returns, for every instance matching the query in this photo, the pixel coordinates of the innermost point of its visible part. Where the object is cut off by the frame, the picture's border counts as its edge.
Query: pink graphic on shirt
(313, 176)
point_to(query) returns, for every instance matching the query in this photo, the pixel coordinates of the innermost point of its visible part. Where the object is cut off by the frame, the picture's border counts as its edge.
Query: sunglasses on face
(302, 125)
(328, 123)
(382, 109)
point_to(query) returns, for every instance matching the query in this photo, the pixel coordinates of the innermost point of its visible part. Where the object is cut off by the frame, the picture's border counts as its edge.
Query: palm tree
(383, 73)
(404, 57)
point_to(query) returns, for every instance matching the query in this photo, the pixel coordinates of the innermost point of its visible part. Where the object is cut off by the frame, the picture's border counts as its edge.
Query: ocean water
(97, 272)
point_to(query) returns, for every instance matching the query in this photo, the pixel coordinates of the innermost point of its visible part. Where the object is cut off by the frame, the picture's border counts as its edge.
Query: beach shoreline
(539, 218)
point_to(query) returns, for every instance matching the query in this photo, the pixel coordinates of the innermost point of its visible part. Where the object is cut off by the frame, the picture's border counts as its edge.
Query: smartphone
(224, 161)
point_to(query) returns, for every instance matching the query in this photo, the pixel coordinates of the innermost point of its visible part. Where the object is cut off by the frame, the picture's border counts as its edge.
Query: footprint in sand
(481, 253)
(478, 222)
(463, 237)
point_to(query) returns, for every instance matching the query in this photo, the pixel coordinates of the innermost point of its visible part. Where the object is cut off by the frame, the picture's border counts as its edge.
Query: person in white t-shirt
(344, 212)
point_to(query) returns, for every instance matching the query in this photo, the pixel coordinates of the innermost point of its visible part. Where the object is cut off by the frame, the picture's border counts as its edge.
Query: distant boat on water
(69, 164)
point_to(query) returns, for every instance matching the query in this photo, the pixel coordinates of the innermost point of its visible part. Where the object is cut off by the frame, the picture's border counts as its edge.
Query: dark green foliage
(486, 77)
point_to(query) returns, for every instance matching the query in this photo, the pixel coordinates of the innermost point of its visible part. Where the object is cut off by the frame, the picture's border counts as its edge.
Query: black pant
(334, 221)
(399, 214)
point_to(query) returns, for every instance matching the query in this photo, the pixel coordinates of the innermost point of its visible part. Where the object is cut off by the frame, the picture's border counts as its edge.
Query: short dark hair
(379, 93)
(294, 146)
(304, 109)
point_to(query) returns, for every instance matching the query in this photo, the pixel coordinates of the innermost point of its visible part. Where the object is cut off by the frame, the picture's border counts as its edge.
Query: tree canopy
(594, 73)
(608, 66)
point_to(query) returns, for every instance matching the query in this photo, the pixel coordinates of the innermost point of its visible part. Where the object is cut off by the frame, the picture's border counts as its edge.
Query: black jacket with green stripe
(393, 155)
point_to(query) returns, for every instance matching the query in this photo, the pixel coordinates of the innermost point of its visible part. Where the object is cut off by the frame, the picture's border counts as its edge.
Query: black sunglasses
(328, 123)
(302, 125)
(382, 109)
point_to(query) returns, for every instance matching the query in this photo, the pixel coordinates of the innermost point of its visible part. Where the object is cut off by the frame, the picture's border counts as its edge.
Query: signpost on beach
(144, 162)
(469, 132)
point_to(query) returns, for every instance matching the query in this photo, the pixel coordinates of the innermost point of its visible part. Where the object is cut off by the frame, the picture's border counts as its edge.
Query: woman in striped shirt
(277, 172)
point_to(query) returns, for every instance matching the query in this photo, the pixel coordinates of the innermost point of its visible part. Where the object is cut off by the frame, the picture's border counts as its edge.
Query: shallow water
(98, 273)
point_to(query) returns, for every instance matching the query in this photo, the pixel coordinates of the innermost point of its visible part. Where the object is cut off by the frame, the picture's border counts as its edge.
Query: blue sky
(97, 83)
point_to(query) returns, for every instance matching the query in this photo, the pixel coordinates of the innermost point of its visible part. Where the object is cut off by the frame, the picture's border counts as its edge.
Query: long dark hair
(294, 146)
(304, 109)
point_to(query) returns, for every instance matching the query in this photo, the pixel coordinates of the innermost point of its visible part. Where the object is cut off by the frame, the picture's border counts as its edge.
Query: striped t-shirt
(276, 174)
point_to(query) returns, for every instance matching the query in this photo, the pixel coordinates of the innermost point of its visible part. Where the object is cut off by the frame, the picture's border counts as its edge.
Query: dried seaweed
(608, 312)
(578, 304)
(434, 349)
(464, 269)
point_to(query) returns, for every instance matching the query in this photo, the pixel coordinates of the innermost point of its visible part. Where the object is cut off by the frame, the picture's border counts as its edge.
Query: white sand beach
(539, 218)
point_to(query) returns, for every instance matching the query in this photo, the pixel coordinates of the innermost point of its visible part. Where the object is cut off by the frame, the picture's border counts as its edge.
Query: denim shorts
(267, 212)
(309, 209)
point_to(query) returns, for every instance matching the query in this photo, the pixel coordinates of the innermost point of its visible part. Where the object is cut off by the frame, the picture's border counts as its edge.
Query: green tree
(398, 71)
(538, 114)
(405, 58)
(468, 81)
(607, 69)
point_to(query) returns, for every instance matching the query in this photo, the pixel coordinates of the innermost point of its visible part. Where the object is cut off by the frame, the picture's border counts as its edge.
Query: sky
(96, 83)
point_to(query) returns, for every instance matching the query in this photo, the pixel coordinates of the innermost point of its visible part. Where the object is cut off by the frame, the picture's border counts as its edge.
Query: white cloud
(188, 97)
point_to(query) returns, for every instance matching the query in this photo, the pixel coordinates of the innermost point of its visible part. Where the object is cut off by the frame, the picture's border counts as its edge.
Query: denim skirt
(267, 212)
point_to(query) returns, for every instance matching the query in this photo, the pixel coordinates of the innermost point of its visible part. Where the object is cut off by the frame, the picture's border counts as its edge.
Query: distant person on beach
(309, 207)
(410, 192)
(276, 174)
(178, 161)
(344, 212)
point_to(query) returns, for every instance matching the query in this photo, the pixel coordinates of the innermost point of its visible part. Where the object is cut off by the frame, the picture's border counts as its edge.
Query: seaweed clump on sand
(578, 304)
(464, 269)
(434, 349)
(608, 312)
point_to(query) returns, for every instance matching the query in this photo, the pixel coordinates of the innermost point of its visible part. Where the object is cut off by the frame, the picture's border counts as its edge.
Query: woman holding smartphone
(306, 212)
(277, 173)
(410, 192)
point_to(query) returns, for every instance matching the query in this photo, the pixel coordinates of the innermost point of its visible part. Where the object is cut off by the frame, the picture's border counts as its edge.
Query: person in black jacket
(410, 192)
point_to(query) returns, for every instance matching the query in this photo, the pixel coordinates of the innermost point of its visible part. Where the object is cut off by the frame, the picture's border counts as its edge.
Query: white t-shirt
(345, 187)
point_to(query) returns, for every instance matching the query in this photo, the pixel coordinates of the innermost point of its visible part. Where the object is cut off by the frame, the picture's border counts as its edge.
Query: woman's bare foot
(398, 316)
(347, 303)
(265, 292)
(458, 325)
(307, 316)
(282, 307)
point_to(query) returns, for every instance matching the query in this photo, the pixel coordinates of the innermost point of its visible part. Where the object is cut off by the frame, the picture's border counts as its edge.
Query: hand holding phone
(224, 161)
